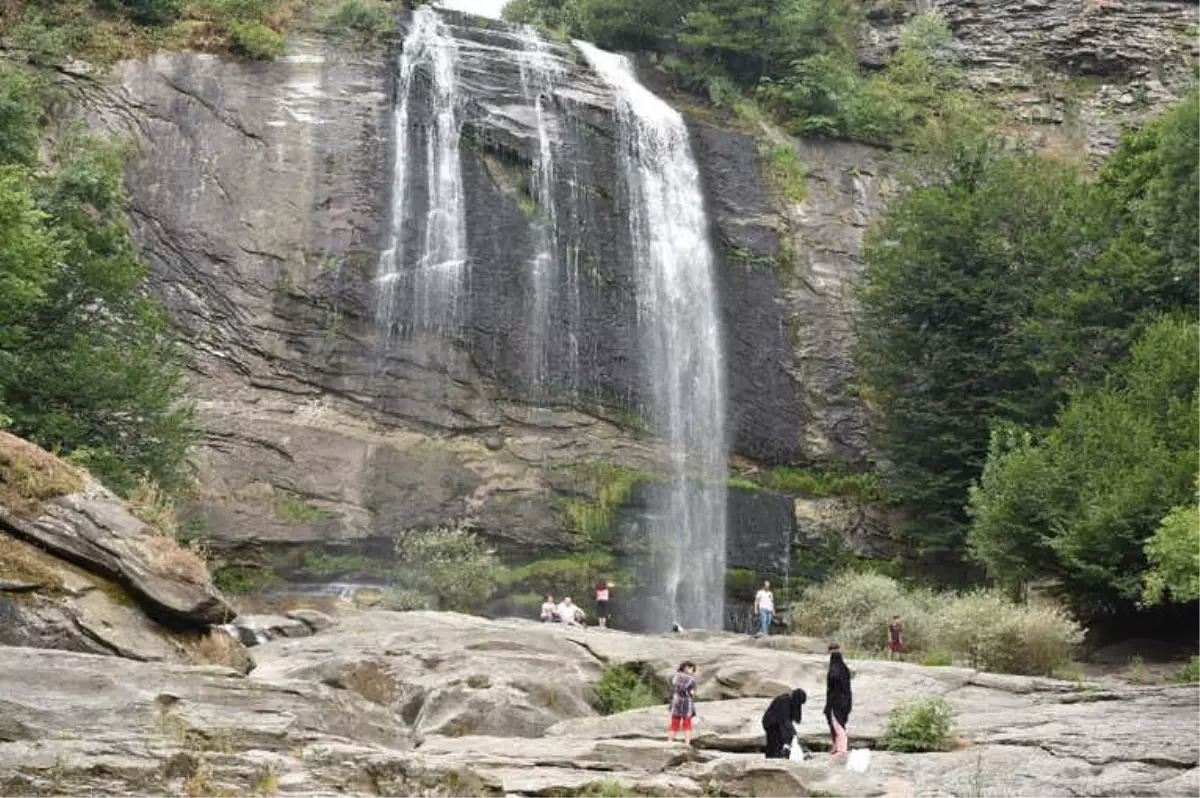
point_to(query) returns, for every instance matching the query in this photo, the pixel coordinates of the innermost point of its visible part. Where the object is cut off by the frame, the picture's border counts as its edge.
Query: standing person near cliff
(764, 608)
(602, 588)
(683, 702)
(895, 645)
(838, 699)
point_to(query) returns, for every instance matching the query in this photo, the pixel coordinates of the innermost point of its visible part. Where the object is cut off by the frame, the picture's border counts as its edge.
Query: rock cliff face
(261, 197)
(1072, 73)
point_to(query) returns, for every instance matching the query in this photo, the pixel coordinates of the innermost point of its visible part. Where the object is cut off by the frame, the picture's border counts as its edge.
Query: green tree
(87, 360)
(1174, 556)
(948, 277)
(1079, 505)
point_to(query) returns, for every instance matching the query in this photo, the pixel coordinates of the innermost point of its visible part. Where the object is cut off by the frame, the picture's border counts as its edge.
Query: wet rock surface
(436, 703)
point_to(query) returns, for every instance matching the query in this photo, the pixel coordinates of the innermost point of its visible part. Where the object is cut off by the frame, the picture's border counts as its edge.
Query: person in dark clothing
(777, 721)
(838, 699)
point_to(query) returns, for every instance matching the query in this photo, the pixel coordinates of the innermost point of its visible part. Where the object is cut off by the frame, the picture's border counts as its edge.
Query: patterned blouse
(683, 689)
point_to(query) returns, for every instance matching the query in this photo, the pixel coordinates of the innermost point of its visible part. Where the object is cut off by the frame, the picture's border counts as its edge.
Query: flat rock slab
(436, 703)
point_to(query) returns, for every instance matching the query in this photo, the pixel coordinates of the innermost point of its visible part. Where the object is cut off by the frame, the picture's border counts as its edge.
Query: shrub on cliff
(450, 564)
(621, 689)
(987, 630)
(256, 40)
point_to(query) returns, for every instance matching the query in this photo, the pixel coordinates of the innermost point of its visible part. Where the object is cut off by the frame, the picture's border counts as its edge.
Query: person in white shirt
(569, 613)
(764, 608)
(549, 609)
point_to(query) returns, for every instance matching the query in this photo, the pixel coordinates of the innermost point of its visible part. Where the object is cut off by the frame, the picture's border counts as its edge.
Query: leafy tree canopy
(87, 361)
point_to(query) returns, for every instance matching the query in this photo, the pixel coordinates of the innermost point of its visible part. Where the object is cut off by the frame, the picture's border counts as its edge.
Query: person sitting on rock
(569, 612)
(683, 702)
(549, 609)
(783, 711)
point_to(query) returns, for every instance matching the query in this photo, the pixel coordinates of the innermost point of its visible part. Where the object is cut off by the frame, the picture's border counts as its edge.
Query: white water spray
(677, 315)
(421, 288)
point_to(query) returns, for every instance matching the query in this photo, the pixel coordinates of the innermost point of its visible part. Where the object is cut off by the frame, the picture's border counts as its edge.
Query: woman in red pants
(683, 702)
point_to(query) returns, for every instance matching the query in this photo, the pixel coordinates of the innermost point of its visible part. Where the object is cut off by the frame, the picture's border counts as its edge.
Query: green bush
(152, 12)
(865, 486)
(985, 628)
(1189, 673)
(991, 632)
(240, 580)
(255, 40)
(856, 608)
(621, 689)
(449, 563)
(402, 600)
(363, 16)
(919, 726)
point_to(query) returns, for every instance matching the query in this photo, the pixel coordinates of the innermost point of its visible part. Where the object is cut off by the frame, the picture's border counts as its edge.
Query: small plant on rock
(621, 689)
(255, 40)
(1189, 673)
(920, 726)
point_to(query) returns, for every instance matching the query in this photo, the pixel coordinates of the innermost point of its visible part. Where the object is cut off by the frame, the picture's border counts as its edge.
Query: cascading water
(678, 318)
(539, 71)
(421, 287)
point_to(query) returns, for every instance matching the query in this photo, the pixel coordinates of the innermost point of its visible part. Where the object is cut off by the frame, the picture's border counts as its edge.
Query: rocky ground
(442, 704)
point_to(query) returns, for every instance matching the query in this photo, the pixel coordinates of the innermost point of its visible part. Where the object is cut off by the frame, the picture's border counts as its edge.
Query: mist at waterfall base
(425, 284)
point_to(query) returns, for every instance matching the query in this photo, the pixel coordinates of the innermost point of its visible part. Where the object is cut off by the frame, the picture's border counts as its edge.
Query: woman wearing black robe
(838, 700)
(777, 721)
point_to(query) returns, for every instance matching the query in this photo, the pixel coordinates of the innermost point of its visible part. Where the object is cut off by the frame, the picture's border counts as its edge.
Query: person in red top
(894, 644)
(602, 603)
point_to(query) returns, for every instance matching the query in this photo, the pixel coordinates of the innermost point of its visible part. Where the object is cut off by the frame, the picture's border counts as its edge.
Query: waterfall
(423, 272)
(539, 71)
(677, 316)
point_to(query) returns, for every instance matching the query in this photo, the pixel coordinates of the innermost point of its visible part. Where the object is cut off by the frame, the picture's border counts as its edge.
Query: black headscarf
(785, 709)
(838, 700)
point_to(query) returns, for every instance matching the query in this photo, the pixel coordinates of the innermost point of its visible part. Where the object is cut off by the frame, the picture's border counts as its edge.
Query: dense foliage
(1079, 504)
(451, 566)
(1001, 283)
(982, 629)
(87, 363)
(104, 31)
(796, 57)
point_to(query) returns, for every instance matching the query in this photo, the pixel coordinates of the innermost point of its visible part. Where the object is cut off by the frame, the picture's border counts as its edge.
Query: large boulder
(72, 516)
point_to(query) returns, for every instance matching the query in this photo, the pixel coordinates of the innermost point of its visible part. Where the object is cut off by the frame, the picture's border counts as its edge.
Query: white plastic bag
(858, 760)
(797, 752)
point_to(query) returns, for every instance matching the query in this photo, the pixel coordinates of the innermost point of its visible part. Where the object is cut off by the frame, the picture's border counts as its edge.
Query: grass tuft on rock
(1188, 673)
(30, 476)
(621, 689)
(24, 562)
(919, 727)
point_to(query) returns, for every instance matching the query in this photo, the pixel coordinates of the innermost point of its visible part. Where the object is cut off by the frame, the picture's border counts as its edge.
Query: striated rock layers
(80, 572)
(260, 196)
